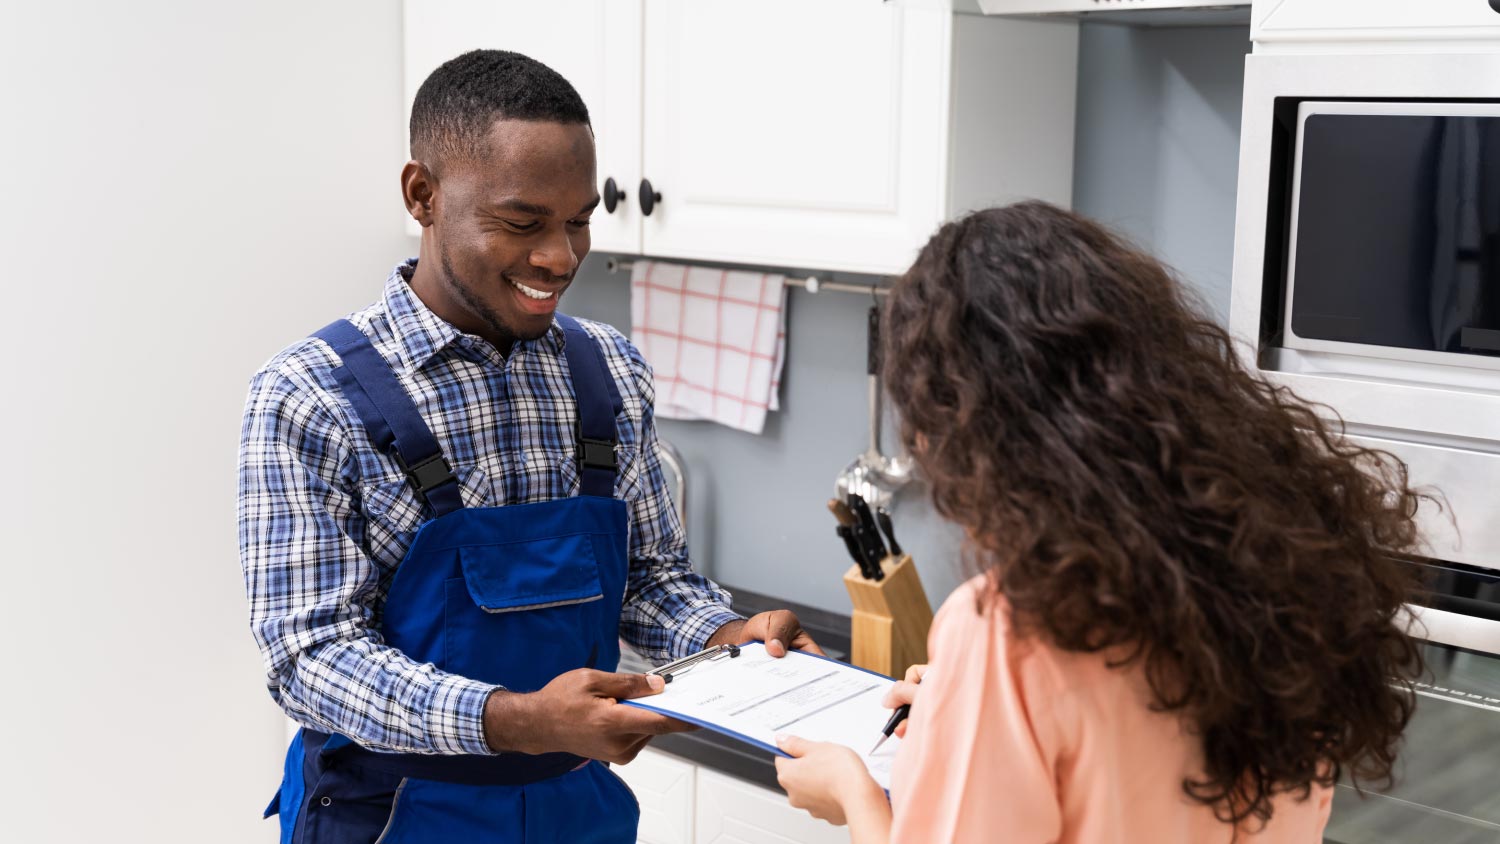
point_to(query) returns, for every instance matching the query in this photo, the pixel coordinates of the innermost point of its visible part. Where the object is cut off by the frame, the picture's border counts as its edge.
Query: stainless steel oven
(1447, 789)
(1367, 280)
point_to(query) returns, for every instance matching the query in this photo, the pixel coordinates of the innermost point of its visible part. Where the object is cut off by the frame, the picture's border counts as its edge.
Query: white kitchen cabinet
(831, 135)
(595, 44)
(1358, 25)
(683, 803)
(665, 786)
(840, 134)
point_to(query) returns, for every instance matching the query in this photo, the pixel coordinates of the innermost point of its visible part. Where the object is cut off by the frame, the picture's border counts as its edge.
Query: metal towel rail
(812, 283)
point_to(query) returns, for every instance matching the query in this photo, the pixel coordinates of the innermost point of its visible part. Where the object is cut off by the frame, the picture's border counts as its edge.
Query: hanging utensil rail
(812, 283)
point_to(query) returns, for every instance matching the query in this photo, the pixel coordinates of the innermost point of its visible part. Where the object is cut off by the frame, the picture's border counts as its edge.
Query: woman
(1185, 625)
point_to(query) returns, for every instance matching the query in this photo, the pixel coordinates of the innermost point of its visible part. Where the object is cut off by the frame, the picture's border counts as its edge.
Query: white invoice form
(754, 697)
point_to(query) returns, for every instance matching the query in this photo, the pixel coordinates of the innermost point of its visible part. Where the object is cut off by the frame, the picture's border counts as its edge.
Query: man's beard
(506, 333)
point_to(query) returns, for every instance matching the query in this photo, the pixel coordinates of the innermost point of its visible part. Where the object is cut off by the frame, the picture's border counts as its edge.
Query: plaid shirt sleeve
(670, 611)
(311, 585)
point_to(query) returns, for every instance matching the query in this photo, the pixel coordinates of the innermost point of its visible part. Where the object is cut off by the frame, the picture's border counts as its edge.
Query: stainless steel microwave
(1394, 241)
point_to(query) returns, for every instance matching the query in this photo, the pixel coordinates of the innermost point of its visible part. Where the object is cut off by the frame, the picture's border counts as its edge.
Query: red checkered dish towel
(715, 338)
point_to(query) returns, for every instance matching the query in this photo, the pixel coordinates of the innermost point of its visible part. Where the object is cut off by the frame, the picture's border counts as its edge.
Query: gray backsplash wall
(1158, 143)
(1157, 152)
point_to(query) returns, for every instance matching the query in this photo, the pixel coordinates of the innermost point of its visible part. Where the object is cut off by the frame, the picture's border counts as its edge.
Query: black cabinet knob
(612, 195)
(648, 197)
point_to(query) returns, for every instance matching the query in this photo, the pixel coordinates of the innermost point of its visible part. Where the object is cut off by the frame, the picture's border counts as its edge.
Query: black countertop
(720, 752)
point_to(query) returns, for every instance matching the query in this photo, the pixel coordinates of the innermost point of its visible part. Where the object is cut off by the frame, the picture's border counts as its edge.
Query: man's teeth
(530, 292)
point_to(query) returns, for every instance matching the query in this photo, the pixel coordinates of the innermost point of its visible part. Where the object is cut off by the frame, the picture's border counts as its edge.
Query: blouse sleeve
(977, 763)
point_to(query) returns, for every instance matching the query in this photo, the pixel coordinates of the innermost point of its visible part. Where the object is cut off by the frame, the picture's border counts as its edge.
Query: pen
(897, 717)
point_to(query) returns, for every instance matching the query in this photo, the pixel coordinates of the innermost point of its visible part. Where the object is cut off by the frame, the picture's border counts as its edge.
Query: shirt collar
(421, 334)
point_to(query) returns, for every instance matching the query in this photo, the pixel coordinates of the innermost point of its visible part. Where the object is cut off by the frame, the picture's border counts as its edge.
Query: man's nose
(556, 255)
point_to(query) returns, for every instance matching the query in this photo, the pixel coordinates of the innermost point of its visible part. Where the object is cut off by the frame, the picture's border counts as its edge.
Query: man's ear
(418, 187)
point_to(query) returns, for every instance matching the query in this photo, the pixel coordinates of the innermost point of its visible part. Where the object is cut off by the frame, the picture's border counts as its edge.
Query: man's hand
(579, 713)
(777, 628)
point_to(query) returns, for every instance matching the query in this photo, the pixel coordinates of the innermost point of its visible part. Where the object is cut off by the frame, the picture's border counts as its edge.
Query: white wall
(187, 187)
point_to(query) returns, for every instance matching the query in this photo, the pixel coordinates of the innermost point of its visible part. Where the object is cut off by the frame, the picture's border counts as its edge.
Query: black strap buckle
(596, 454)
(427, 474)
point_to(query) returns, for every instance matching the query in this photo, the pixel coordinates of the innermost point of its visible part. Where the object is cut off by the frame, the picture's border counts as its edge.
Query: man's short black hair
(455, 108)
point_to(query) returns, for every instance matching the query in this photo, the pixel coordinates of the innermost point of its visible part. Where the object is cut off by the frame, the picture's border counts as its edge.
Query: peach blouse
(1014, 741)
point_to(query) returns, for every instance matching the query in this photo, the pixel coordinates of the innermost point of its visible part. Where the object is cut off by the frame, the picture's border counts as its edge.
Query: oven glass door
(1447, 787)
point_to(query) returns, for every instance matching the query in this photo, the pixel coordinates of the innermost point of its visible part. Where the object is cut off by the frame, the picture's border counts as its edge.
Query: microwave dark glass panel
(1398, 232)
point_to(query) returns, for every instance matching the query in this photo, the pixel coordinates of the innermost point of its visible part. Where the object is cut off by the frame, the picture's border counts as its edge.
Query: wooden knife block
(891, 618)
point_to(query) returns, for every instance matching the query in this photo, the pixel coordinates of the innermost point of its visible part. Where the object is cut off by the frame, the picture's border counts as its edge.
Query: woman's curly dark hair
(1128, 484)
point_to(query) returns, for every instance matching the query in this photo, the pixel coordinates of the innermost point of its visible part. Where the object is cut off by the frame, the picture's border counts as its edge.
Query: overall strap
(598, 404)
(390, 417)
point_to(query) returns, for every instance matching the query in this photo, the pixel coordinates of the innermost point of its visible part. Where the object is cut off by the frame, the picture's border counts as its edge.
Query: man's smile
(532, 292)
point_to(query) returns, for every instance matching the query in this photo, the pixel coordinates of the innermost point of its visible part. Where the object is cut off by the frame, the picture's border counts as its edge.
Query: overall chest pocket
(532, 574)
(526, 611)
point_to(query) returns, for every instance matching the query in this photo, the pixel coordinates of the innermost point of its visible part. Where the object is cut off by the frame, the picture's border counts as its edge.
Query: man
(451, 507)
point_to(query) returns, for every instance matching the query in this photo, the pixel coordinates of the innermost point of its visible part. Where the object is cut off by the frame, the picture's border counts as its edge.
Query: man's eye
(522, 227)
(579, 223)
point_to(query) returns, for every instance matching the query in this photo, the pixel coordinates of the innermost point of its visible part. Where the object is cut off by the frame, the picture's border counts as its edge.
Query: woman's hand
(831, 782)
(905, 691)
(828, 780)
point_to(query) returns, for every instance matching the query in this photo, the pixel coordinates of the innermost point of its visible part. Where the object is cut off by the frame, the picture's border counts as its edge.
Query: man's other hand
(779, 629)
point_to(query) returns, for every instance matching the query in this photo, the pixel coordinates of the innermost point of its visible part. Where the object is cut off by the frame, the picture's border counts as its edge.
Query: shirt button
(326, 801)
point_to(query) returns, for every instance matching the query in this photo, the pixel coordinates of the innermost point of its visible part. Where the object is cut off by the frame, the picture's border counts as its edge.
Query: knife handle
(841, 511)
(883, 516)
(847, 533)
(866, 529)
(872, 550)
(861, 509)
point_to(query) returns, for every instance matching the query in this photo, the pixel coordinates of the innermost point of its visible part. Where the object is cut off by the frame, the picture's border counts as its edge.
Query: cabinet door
(1373, 20)
(664, 785)
(595, 44)
(731, 811)
(795, 133)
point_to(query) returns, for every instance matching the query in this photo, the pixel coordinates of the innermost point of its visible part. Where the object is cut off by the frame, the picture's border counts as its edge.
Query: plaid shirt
(325, 518)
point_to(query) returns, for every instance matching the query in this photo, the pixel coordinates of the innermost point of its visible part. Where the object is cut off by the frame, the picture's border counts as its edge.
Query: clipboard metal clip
(681, 666)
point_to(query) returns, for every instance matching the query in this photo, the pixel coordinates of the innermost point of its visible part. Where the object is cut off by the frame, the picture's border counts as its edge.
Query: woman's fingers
(792, 745)
(902, 692)
(905, 691)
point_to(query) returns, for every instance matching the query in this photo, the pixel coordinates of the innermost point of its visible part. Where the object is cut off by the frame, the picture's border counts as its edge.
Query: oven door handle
(1454, 627)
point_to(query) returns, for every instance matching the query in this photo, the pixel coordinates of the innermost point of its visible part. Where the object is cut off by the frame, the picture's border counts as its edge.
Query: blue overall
(507, 595)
